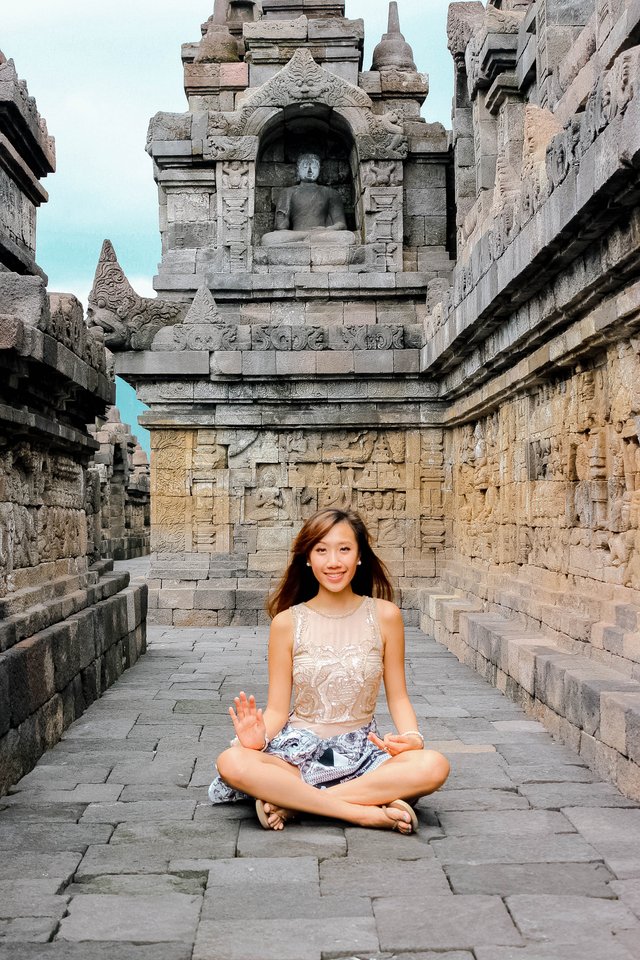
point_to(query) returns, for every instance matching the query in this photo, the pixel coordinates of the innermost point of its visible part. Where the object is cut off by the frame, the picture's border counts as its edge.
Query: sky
(99, 72)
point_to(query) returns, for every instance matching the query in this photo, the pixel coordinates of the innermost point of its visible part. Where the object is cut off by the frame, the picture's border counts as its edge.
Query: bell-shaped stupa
(393, 52)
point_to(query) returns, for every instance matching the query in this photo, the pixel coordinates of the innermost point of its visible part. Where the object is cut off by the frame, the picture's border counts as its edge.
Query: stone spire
(217, 44)
(393, 51)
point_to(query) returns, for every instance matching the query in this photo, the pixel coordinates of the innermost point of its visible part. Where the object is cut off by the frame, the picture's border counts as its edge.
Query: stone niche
(69, 625)
(309, 131)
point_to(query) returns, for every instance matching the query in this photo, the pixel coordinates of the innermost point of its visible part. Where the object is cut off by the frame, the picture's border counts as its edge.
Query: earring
(308, 564)
(359, 562)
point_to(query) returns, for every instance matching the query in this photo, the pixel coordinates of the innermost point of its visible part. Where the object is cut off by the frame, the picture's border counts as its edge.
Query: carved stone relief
(578, 496)
(127, 320)
(239, 479)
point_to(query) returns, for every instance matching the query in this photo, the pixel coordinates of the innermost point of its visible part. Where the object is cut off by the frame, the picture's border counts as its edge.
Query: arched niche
(294, 130)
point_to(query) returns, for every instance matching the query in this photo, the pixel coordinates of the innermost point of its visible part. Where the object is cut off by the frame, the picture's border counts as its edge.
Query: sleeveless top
(337, 668)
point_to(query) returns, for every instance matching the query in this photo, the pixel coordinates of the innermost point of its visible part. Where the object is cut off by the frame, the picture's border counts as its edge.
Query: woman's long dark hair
(298, 582)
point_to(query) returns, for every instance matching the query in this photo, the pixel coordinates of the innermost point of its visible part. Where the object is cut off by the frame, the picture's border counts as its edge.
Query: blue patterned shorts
(323, 762)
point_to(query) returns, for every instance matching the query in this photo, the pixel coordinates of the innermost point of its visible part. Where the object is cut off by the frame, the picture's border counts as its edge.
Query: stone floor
(110, 850)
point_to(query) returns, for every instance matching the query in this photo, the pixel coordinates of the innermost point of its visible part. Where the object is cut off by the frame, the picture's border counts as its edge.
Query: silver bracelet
(236, 743)
(413, 733)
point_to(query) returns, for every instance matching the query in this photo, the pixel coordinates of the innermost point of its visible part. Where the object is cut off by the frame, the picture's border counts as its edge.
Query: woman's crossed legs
(407, 776)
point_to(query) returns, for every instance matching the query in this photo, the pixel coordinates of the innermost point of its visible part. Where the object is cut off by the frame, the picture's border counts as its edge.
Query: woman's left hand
(395, 743)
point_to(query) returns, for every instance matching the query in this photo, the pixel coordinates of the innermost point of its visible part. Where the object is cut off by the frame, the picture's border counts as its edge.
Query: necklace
(336, 616)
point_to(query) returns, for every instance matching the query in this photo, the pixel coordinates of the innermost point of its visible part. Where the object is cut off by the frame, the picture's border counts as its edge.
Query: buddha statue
(309, 212)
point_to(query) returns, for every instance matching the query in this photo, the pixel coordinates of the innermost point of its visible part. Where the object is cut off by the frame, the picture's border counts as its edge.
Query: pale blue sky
(98, 73)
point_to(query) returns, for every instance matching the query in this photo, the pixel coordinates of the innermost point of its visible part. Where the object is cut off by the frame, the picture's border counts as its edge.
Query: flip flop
(406, 808)
(261, 814)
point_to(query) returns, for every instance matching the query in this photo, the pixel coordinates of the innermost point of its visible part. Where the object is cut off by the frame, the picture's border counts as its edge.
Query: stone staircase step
(21, 600)
(46, 612)
(592, 703)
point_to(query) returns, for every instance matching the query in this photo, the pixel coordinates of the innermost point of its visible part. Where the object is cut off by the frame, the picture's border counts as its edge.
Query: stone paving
(110, 850)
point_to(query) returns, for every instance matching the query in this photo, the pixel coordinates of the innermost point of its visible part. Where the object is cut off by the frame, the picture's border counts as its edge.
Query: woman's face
(334, 559)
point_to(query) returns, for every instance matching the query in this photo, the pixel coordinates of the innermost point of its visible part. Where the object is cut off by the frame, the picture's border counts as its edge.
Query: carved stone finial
(204, 309)
(128, 321)
(218, 45)
(220, 15)
(393, 51)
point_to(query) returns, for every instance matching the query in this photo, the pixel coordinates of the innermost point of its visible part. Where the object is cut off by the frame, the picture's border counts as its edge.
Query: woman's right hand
(248, 722)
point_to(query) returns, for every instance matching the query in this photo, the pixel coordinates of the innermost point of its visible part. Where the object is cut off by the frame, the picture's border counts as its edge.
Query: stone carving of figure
(309, 212)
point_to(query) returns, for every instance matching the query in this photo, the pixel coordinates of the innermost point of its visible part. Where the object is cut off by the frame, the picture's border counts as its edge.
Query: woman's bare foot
(390, 817)
(278, 816)
(272, 817)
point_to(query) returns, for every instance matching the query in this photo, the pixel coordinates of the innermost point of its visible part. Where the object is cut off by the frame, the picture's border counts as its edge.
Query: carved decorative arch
(303, 81)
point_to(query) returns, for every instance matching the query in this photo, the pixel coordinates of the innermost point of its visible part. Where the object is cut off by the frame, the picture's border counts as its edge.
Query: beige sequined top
(337, 668)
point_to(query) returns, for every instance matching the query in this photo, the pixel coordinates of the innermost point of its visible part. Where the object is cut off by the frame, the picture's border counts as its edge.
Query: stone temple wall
(536, 347)
(547, 489)
(122, 470)
(258, 485)
(68, 625)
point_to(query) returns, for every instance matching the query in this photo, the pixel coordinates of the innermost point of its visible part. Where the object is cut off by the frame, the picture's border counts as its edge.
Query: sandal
(261, 814)
(406, 808)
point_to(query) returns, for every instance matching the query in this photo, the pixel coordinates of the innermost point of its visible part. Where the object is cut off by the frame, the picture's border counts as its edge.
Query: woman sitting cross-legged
(334, 636)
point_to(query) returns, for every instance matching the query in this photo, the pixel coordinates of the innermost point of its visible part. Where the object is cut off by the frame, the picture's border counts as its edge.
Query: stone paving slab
(134, 858)
(551, 918)
(52, 837)
(559, 848)
(600, 949)
(138, 885)
(39, 809)
(19, 903)
(150, 919)
(521, 823)
(555, 796)
(470, 799)
(361, 845)
(109, 849)
(444, 922)
(382, 878)
(251, 938)
(39, 866)
(139, 810)
(282, 901)
(585, 879)
(107, 950)
(27, 929)
(301, 840)
(629, 892)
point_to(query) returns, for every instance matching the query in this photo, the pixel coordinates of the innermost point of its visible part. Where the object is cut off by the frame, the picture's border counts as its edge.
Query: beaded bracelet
(413, 733)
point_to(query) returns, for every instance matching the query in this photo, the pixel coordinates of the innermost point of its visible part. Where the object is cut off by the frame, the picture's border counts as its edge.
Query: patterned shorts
(323, 762)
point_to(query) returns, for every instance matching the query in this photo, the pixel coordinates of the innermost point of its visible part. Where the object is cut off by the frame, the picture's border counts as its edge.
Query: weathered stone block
(179, 599)
(30, 669)
(24, 298)
(211, 599)
(619, 721)
(259, 363)
(373, 361)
